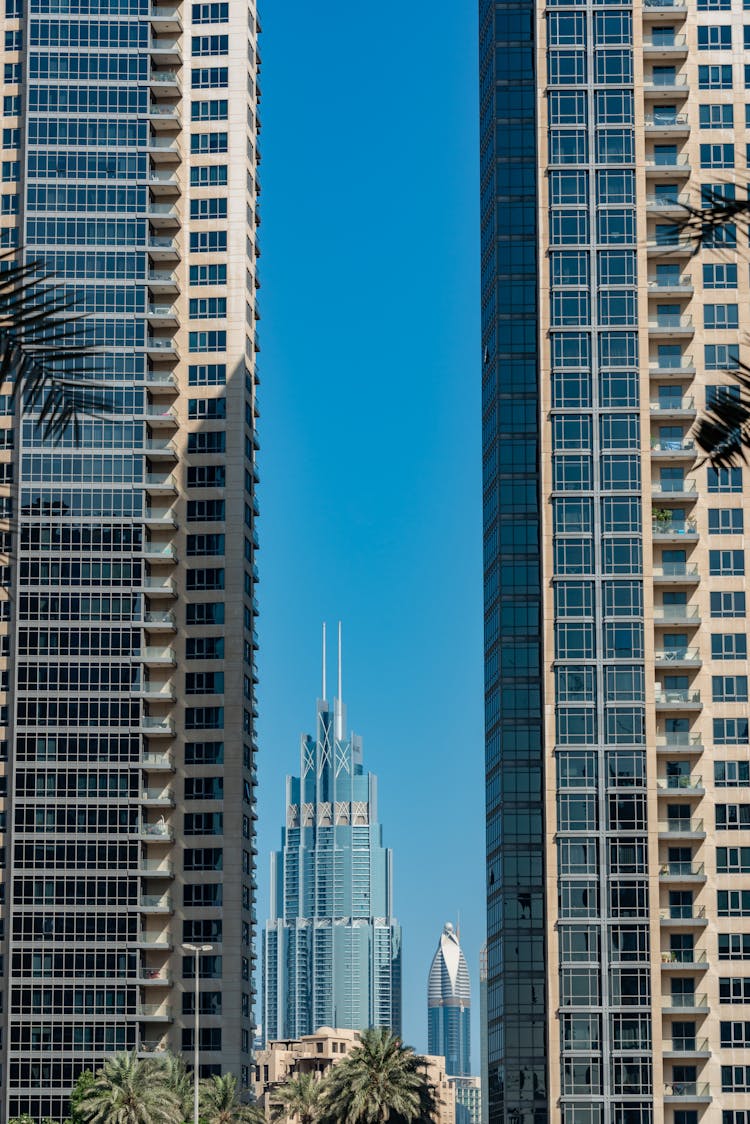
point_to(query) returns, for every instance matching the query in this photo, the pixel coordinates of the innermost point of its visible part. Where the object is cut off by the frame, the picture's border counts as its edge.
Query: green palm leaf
(220, 1103)
(380, 1080)
(43, 349)
(127, 1090)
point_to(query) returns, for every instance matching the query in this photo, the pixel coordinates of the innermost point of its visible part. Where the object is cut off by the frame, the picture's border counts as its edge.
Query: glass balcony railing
(660, 121)
(666, 42)
(686, 1089)
(682, 782)
(677, 613)
(658, 405)
(671, 363)
(679, 739)
(685, 1000)
(679, 826)
(663, 320)
(678, 655)
(681, 870)
(686, 1044)
(688, 912)
(673, 527)
(679, 487)
(677, 696)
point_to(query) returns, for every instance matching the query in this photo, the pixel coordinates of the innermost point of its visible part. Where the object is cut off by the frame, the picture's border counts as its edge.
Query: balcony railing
(680, 363)
(687, 1089)
(686, 1045)
(681, 826)
(157, 760)
(157, 866)
(671, 404)
(669, 527)
(666, 487)
(156, 901)
(679, 740)
(679, 41)
(162, 616)
(670, 321)
(681, 870)
(677, 613)
(683, 1001)
(664, 120)
(676, 570)
(683, 913)
(160, 830)
(677, 696)
(665, 161)
(684, 782)
(678, 655)
(682, 283)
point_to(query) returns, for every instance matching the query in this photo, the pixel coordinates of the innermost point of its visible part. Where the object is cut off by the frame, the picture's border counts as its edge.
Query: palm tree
(128, 1091)
(176, 1078)
(43, 348)
(722, 431)
(220, 1103)
(299, 1098)
(380, 1080)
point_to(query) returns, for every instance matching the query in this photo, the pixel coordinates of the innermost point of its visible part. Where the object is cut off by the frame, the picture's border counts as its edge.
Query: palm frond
(722, 432)
(44, 353)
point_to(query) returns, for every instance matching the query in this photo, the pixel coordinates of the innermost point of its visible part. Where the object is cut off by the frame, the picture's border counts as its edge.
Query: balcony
(682, 369)
(668, 530)
(667, 125)
(682, 828)
(674, 490)
(157, 832)
(683, 917)
(678, 657)
(155, 1012)
(164, 117)
(681, 872)
(665, 47)
(160, 449)
(160, 349)
(165, 18)
(165, 52)
(685, 960)
(686, 783)
(160, 382)
(161, 417)
(156, 868)
(677, 699)
(679, 744)
(671, 247)
(672, 204)
(159, 587)
(670, 287)
(676, 573)
(680, 1004)
(163, 182)
(148, 1048)
(664, 325)
(682, 1092)
(679, 449)
(157, 762)
(159, 555)
(154, 977)
(157, 727)
(162, 283)
(162, 315)
(677, 407)
(162, 620)
(158, 485)
(686, 1046)
(163, 150)
(159, 657)
(162, 248)
(156, 903)
(160, 518)
(158, 797)
(665, 90)
(164, 83)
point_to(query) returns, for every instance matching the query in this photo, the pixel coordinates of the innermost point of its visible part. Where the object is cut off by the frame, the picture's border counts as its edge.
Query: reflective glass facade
(131, 702)
(633, 650)
(332, 947)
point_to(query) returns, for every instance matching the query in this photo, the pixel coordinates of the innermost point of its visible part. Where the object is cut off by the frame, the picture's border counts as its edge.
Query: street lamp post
(197, 949)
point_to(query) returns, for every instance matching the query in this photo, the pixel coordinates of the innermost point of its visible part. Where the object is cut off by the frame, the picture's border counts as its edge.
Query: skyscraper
(332, 948)
(615, 588)
(129, 169)
(449, 1005)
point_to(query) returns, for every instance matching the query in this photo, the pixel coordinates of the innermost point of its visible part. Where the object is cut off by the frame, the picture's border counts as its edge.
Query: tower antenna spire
(324, 661)
(338, 706)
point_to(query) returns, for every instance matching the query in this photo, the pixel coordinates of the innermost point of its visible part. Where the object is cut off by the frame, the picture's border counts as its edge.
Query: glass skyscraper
(617, 749)
(449, 1005)
(129, 169)
(332, 948)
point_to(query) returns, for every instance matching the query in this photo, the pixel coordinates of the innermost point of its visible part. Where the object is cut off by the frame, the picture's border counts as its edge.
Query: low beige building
(316, 1053)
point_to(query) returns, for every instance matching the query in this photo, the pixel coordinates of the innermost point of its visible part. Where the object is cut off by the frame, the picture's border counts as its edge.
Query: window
(721, 356)
(735, 1035)
(204, 753)
(715, 77)
(717, 155)
(732, 860)
(715, 37)
(208, 308)
(207, 408)
(207, 442)
(214, 110)
(732, 817)
(204, 544)
(721, 275)
(206, 476)
(719, 237)
(730, 731)
(720, 316)
(729, 604)
(207, 341)
(212, 175)
(210, 78)
(210, 45)
(725, 521)
(211, 13)
(207, 374)
(206, 612)
(208, 274)
(206, 511)
(202, 144)
(204, 683)
(205, 209)
(732, 774)
(209, 577)
(724, 480)
(728, 646)
(729, 688)
(203, 858)
(204, 718)
(208, 241)
(726, 563)
(716, 116)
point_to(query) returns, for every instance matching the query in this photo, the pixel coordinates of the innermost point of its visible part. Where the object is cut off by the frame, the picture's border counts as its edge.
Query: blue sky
(370, 458)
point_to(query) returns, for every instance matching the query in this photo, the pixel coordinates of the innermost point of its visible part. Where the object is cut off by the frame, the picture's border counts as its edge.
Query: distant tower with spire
(449, 1005)
(332, 948)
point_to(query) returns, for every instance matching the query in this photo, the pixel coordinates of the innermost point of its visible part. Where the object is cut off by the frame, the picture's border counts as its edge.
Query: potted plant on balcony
(662, 517)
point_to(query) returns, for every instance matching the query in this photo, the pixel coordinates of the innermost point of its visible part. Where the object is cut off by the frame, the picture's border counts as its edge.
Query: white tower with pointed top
(449, 1005)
